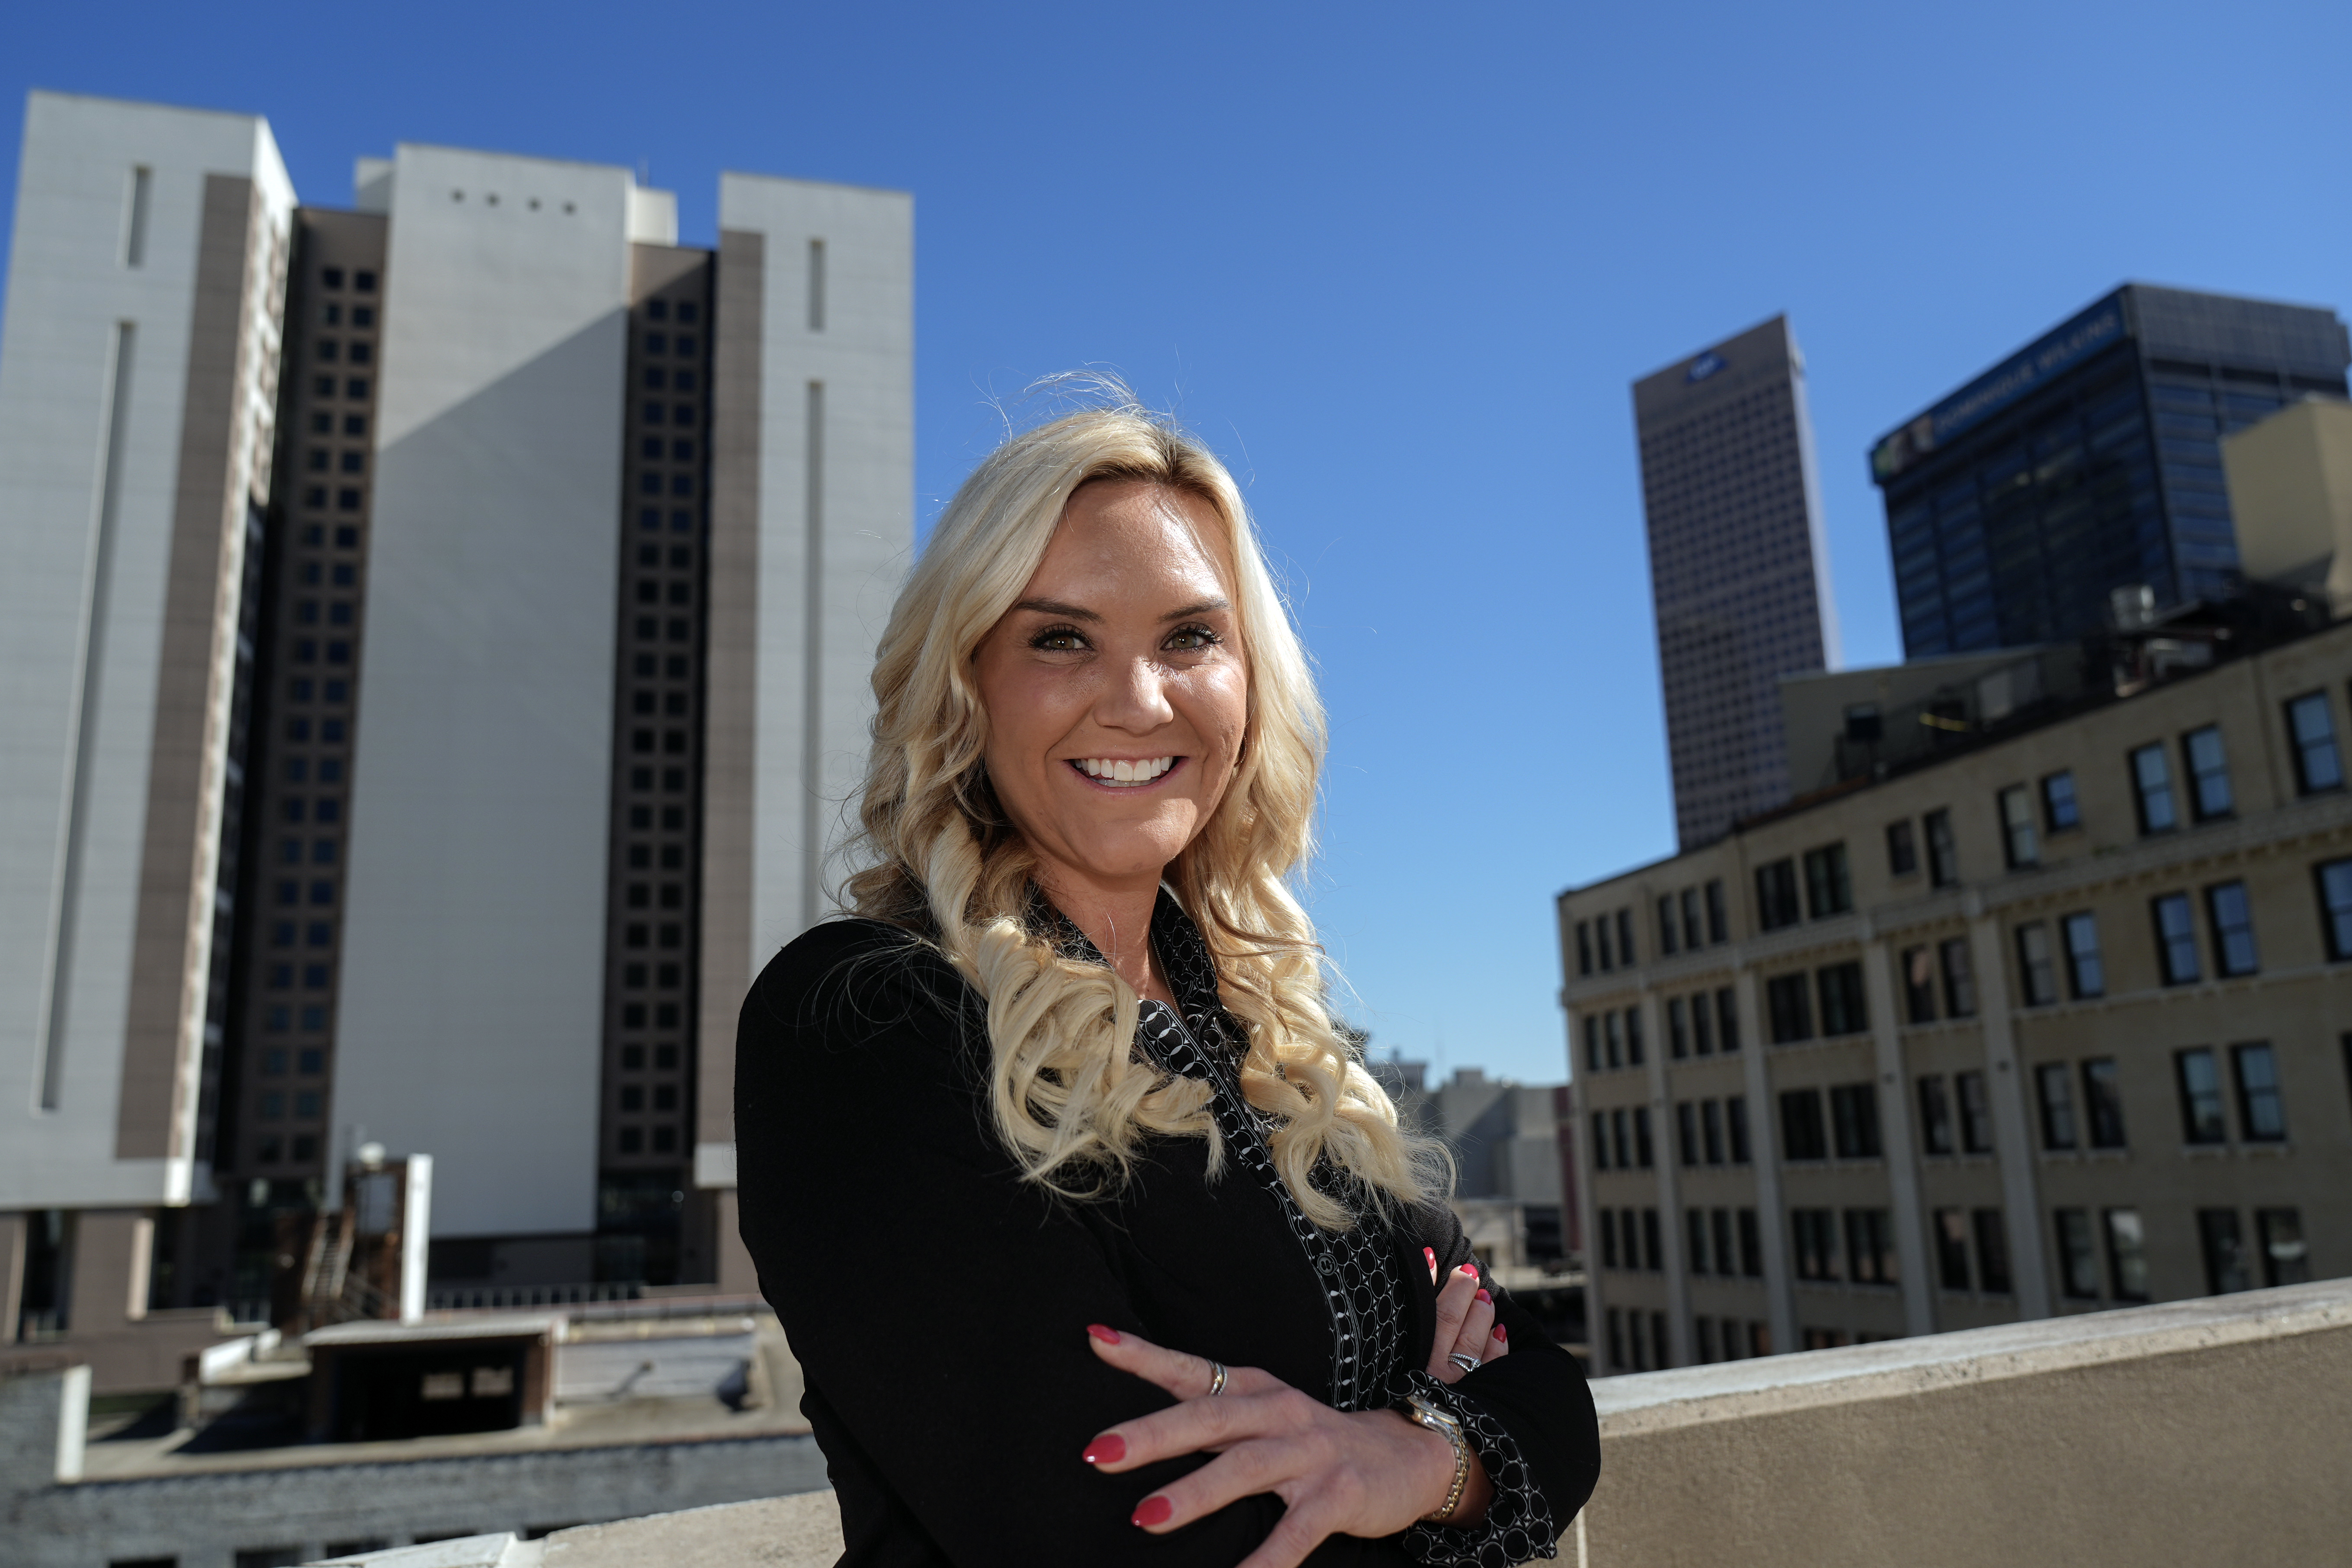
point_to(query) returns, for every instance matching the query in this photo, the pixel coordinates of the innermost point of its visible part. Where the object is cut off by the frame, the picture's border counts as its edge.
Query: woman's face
(1116, 689)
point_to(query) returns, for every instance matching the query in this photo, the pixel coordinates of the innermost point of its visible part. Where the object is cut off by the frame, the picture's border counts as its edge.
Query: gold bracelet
(1421, 1412)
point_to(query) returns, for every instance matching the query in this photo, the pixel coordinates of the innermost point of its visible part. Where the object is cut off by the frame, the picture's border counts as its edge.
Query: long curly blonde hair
(1068, 1095)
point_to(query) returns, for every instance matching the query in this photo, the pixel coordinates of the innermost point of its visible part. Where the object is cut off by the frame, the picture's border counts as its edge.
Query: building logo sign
(1706, 364)
(2087, 334)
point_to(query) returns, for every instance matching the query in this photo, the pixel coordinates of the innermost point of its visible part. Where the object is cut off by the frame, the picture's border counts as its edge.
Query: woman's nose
(1138, 700)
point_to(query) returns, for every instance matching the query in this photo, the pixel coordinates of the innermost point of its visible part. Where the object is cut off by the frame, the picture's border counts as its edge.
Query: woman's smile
(1125, 773)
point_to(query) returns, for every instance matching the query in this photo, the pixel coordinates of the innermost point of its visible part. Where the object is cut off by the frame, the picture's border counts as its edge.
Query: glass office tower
(1738, 571)
(2090, 460)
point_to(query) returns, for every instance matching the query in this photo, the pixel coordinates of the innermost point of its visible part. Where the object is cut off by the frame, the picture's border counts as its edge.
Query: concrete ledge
(2216, 1431)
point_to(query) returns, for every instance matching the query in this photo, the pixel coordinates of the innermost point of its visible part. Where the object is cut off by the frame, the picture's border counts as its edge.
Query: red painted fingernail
(1153, 1509)
(1501, 1332)
(1108, 1449)
(1107, 1336)
(1431, 1253)
(1484, 1297)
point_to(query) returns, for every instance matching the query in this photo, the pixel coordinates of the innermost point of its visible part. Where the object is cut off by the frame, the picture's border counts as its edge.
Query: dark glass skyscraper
(1737, 569)
(2090, 460)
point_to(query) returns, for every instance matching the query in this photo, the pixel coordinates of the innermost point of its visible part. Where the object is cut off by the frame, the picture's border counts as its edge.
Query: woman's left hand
(1369, 1473)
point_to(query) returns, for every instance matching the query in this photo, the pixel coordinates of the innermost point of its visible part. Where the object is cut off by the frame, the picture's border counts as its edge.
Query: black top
(952, 1404)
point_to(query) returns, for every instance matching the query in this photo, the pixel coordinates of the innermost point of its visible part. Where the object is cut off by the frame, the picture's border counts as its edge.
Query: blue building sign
(2096, 329)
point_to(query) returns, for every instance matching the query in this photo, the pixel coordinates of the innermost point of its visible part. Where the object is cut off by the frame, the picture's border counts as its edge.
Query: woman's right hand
(1466, 1322)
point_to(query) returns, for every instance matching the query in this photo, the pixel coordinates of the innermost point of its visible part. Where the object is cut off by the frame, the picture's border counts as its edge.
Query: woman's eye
(1058, 640)
(1192, 639)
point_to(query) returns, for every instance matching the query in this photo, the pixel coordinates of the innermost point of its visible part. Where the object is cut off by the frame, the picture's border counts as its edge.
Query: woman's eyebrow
(1202, 608)
(1055, 607)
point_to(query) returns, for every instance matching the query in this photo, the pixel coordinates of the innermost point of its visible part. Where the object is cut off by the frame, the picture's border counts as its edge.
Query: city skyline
(1394, 321)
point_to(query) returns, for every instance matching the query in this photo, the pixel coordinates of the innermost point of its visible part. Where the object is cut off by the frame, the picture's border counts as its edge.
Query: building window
(1584, 947)
(1645, 1150)
(2055, 1086)
(1960, 979)
(1632, 1037)
(2175, 940)
(1686, 1131)
(2285, 1260)
(1870, 1247)
(1816, 1236)
(2334, 881)
(1677, 1028)
(2200, 1097)
(1617, 1338)
(2233, 915)
(1935, 1115)
(1751, 1247)
(1919, 986)
(1853, 1116)
(2059, 806)
(1719, 913)
(1976, 1113)
(1653, 1252)
(1993, 1251)
(1788, 1007)
(2037, 969)
(1844, 1009)
(2103, 1103)
(2152, 783)
(2262, 1117)
(1829, 889)
(2126, 1254)
(1625, 937)
(1693, 932)
(1943, 852)
(1776, 895)
(2208, 772)
(1727, 1019)
(1602, 946)
(1735, 1118)
(1802, 1135)
(2311, 724)
(1695, 1238)
(1592, 1041)
(1902, 849)
(2078, 1258)
(1702, 1024)
(2019, 840)
(2087, 976)
(1599, 1139)
(1952, 1249)
(2225, 1251)
(1669, 930)
(1711, 1125)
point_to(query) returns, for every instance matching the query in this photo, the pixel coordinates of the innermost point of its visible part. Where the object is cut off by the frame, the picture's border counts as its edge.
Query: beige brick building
(2060, 1021)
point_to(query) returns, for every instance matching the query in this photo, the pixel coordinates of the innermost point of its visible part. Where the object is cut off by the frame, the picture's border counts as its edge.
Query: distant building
(2089, 461)
(2037, 1009)
(2291, 489)
(1513, 1165)
(1739, 569)
(433, 631)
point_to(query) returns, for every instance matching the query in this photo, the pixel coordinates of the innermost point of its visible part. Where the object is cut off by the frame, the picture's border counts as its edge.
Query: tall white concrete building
(433, 659)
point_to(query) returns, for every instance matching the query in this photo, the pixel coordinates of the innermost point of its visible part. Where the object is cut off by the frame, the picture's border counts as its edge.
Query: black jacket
(938, 1304)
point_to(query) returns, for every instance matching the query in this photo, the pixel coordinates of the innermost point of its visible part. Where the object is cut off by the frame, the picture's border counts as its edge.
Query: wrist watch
(1425, 1412)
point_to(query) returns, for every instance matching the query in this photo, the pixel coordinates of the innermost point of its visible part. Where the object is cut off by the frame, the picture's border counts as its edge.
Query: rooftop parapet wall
(2212, 1432)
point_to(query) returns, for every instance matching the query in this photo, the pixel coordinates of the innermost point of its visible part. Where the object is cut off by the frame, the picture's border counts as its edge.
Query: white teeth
(1124, 773)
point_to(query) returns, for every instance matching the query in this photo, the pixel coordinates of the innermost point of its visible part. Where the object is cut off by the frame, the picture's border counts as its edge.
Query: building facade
(1739, 569)
(440, 659)
(2089, 461)
(2060, 1020)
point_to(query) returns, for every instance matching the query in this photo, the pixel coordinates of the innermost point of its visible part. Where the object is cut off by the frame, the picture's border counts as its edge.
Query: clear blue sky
(1400, 265)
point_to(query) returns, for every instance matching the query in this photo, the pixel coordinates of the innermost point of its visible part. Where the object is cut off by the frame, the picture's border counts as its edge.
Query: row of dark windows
(664, 976)
(327, 350)
(363, 281)
(354, 387)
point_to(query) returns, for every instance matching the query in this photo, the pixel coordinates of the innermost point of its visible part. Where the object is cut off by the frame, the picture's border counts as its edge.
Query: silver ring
(1466, 1363)
(1216, 1378)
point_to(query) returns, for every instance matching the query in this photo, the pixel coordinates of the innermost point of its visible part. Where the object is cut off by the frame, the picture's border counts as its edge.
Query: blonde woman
(1095, 1243)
